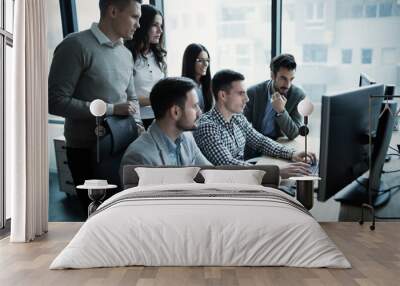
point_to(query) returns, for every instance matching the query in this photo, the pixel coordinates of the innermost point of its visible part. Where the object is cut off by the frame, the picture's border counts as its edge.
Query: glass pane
(54, 27)
(366, 56)
(9, 17)
(1, 16)
(236, 33)
(87, 12)
(8, 92)
(2, 141)
(354, 39)
(54, 37)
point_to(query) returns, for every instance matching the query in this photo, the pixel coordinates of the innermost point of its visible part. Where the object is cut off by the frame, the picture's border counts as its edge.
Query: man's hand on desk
(300, 156)
(295, 170)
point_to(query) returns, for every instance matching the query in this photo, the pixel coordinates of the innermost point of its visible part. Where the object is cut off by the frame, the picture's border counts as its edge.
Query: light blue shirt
(268, 125)
(155, 148)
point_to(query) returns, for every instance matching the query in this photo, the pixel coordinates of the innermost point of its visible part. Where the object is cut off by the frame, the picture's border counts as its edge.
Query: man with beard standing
(176, 109)
(272, 106)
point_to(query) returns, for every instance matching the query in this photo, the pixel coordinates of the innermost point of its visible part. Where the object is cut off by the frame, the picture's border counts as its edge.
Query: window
(315, 14)
(351, 43)
(366, 56)
(390, 56)
(6, 44)
(315, 53)
(314, 91)
(8, 91)
(371, 10)
(385, 9)
(54, 28)
(315, 11)
(357, 11)
(235, 32)
(9, 15)
(346, 56)
(88, 12)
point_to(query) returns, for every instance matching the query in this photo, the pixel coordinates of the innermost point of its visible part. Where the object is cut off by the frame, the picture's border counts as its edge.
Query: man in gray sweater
(94, 64)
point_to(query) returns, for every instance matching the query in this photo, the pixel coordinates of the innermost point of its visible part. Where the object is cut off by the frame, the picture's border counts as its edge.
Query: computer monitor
(365, 80)
(344, 148)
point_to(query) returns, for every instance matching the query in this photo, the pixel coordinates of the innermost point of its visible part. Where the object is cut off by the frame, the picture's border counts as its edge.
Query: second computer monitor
(346, 120)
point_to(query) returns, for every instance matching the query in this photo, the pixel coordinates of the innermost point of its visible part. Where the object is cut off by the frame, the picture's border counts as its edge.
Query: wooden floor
(374, 255)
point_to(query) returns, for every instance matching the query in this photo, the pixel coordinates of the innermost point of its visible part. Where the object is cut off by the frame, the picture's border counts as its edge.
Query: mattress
(201, 225)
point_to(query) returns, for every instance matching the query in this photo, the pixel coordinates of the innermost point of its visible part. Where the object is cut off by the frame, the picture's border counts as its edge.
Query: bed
(198, 224)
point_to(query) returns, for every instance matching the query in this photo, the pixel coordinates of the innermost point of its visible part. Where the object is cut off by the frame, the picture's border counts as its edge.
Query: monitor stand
(356, 194)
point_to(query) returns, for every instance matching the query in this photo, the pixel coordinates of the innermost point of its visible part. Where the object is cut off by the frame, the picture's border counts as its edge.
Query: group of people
(188, 120)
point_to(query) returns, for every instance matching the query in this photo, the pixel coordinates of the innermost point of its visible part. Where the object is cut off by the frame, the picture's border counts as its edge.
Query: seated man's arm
(200, 159)
(208, 140)
(289, 123)
(267, 146)
(131, 157)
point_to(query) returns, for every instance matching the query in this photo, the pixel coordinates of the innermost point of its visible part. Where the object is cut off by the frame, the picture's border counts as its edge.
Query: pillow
(164, 176)
(248, 177)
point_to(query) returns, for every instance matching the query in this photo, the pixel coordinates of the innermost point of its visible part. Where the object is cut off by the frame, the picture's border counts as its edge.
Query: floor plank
(374, 255)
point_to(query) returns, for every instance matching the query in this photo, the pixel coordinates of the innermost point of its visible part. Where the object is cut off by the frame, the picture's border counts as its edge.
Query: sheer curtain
(26, 124)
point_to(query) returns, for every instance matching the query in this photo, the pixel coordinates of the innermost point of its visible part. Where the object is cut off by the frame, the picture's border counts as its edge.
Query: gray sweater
(88, 66)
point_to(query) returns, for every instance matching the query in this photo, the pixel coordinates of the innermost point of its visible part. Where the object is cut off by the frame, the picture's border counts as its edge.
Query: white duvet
(183, 231)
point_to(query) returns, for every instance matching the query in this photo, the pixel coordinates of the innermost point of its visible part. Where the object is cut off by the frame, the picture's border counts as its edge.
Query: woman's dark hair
(168, 92)
(141, 42)
(188, 70)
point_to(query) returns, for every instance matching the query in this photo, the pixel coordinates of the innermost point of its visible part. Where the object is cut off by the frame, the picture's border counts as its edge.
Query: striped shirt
(223, 142)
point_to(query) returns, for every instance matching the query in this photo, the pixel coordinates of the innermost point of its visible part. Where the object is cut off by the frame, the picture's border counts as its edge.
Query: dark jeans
(80, 165)
(83, 166)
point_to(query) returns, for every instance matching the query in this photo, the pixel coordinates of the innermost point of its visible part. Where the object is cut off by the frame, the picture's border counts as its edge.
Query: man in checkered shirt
(224, 131)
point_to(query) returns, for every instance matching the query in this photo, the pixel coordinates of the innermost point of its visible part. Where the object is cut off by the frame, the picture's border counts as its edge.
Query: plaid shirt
(223, 143)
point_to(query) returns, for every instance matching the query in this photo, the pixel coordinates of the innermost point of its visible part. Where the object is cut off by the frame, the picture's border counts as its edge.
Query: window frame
(6, 39)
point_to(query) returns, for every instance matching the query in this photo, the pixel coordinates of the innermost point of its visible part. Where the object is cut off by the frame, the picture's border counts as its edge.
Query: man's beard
(183, 127)
(285, 92)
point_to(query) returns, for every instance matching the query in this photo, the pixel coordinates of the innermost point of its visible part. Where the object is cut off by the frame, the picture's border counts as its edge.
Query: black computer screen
(345, 125)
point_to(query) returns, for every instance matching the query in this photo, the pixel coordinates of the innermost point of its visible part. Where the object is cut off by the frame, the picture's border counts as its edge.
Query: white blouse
(147, 73)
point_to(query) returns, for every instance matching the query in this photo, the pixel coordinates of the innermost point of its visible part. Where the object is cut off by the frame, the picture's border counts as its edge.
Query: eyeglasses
(203, 61)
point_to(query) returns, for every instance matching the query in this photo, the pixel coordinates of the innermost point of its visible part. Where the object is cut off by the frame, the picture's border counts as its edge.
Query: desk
(297, 144)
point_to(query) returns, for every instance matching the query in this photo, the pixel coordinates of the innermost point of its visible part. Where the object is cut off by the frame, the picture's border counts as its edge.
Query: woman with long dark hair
(147, 47)
(196, 65)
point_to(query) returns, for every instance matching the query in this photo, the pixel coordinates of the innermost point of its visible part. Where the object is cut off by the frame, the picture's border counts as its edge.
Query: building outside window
(236, 33)
(390, 56)
(366, 56)
(347, 55)
(335, 55)
(315, 53)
